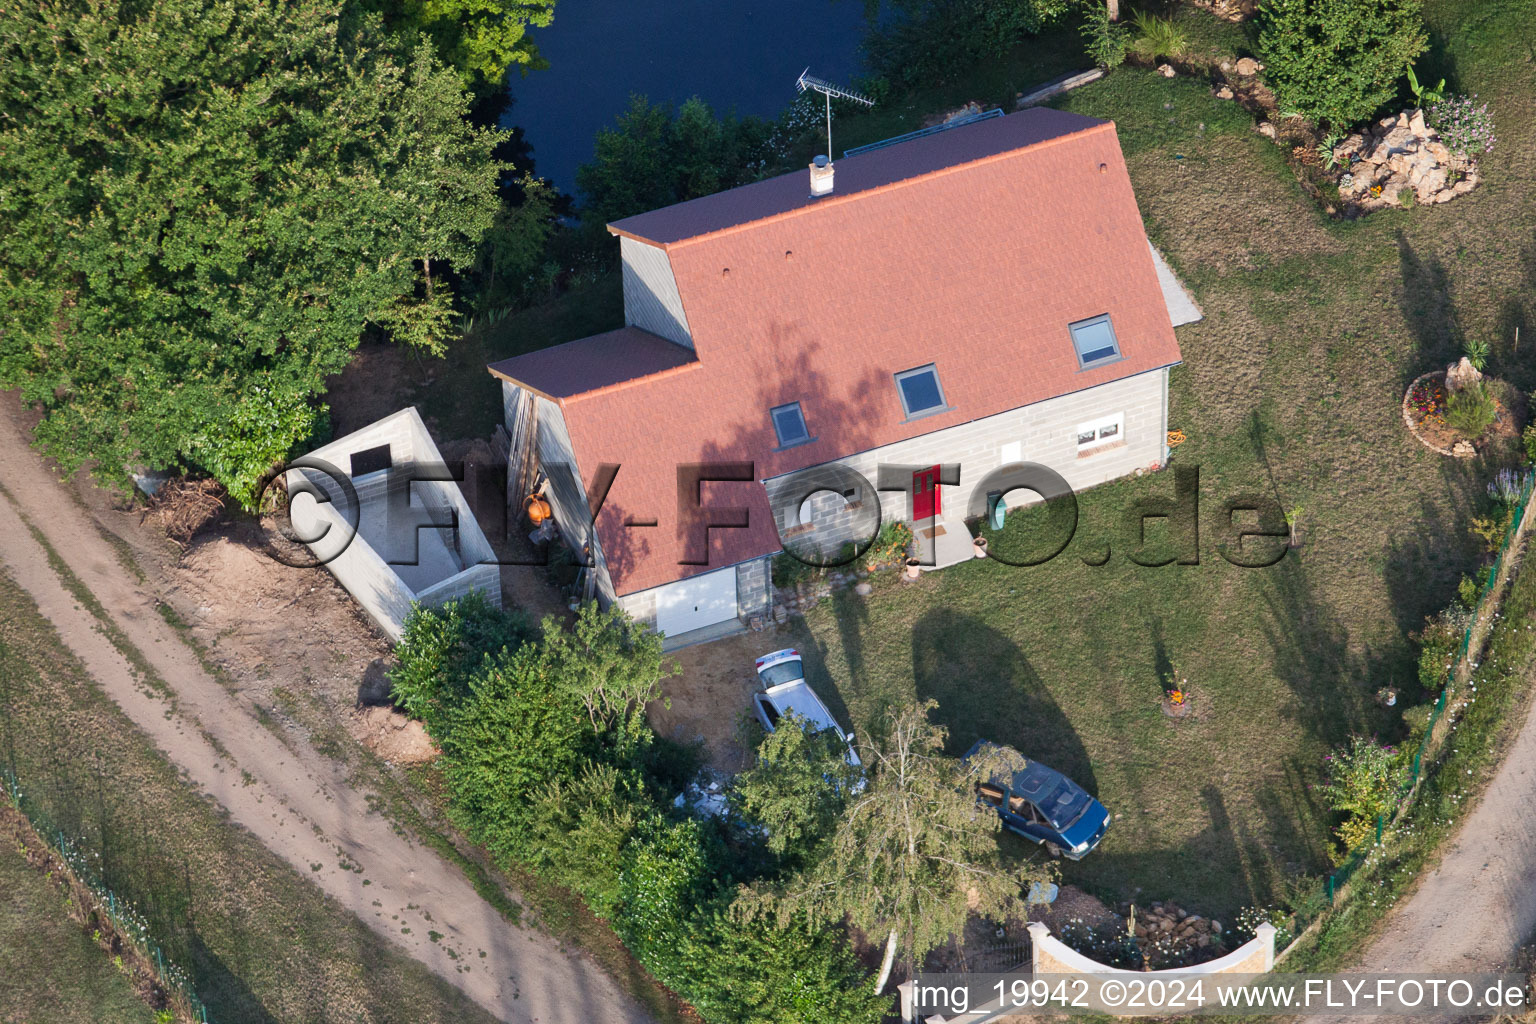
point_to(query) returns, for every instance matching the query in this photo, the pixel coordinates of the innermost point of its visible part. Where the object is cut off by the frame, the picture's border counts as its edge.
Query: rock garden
(1461, 412)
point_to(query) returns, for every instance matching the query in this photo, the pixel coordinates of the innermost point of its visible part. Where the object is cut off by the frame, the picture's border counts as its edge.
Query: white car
(785, 690)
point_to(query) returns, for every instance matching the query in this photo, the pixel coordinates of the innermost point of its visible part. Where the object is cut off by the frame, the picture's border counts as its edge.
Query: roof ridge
(837, 199)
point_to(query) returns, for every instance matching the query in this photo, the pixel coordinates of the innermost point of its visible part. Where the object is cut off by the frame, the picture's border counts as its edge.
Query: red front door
(926, 502)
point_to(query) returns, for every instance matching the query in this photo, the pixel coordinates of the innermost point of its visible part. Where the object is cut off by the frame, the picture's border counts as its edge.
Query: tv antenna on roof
(827, 89)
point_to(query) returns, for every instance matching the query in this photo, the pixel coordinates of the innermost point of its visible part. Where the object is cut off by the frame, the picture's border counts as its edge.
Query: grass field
(1290, 387)
(261, 942)
(51, 971)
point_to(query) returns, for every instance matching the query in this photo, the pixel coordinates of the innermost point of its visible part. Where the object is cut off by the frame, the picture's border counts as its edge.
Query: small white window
(1100, 432)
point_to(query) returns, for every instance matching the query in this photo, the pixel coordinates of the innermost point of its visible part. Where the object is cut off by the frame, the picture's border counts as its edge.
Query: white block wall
(1045, 432)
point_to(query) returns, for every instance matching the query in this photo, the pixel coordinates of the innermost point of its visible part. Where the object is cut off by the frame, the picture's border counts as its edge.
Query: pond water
(731, 53)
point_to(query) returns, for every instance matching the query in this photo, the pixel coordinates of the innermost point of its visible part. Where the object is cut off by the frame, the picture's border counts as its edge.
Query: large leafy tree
(798, 788)
(912, 855)
(1338, 61)
(202, 205)
(481, 38)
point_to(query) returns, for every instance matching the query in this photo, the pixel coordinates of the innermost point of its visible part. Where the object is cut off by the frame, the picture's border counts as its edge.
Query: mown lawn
(261, 943)
(1291, 387)
(49, 969)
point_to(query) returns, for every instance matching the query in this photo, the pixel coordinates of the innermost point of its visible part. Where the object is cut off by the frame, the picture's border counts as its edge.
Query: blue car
(1042, 804)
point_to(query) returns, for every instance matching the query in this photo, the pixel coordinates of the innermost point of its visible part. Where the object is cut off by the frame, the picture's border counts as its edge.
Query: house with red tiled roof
(962, 301)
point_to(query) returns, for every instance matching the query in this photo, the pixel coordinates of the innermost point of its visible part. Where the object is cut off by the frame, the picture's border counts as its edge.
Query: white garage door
(696, 602)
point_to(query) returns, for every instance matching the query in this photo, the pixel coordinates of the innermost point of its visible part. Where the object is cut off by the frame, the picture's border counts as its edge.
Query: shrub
(1465, 126)
(1529, 438)
(1364, 779)
(741, 973)
(891, 544)
(1476, 350)
(1338, 61)
(517, 730)
(1249, 919)
(1157, 37)
(1105, 41)
(577, 829)
(1508, 485)
(1470, 410)
(440, 647)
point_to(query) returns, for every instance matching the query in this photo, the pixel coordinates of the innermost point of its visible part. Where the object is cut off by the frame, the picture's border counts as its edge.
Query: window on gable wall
(1098, 433)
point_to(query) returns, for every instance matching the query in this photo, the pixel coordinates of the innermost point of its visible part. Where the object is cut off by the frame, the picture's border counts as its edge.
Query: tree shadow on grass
(986, 689)
(1425, 300)
(228, 997)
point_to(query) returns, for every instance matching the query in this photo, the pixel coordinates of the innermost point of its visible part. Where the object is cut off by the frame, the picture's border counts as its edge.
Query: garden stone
(1248, 66)
(863, 589)
(1267, 130)
(1416, 123)
(1166, 70)
(1399, 140)
(1225, 93)
(1438, 151)
(1460, 375)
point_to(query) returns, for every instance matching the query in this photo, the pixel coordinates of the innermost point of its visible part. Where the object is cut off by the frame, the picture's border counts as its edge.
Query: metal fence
(127, 921)
(1423, 757)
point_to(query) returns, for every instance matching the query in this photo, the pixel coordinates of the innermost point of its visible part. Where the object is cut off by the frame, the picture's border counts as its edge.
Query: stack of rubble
(1397, 157)
(1173, 927)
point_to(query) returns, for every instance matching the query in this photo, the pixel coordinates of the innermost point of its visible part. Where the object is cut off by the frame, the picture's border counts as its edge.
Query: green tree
(517, 730)
(607, 662)
(1338, 61)
(513, 250)
(798, 788)
(913, 855)
(578, 827)
(440, 647)
(673, 917)
(483, 39)
(655, 156)
(203, 204)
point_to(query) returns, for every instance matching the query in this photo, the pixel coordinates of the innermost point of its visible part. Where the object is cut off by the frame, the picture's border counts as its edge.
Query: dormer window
(1095, 342)
(920, 392)
(789, 425)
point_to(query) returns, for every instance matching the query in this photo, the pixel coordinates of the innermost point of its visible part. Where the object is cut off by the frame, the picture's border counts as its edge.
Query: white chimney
(821, 177)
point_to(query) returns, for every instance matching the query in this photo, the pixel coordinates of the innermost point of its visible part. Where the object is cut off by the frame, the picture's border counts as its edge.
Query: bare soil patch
(710, 701)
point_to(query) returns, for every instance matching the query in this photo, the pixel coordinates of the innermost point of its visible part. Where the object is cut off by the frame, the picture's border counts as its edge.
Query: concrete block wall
(1045, 432)
(754, 588)
(361, 569)
(641, 606)
(651, 299)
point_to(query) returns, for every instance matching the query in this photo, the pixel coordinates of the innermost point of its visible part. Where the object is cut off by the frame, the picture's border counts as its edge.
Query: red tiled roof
(977, 267)
(591, 364)
(759, 200)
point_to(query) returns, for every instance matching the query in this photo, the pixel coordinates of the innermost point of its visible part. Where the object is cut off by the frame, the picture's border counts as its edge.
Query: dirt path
(1478, 905)
(295, 800)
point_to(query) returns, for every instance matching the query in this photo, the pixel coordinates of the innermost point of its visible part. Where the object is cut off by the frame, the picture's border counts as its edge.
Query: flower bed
(1424, 415)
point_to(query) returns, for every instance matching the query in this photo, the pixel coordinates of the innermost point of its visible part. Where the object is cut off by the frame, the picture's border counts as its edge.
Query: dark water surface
(732, 53)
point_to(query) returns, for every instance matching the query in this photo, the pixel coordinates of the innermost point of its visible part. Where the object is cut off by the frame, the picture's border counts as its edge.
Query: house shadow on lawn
(987, 689)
